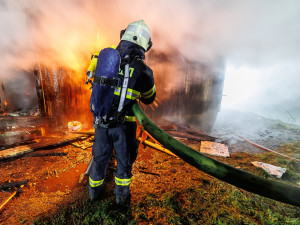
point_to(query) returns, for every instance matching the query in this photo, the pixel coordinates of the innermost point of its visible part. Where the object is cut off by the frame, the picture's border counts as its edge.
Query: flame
(5, 103)
(74, 126)
(71, 49)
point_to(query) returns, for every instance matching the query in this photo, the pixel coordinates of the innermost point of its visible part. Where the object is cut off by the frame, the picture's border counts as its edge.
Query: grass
(219, 204)
(214, 203)
(292, 174)
(192, 198)
(86, 212)
(285, 126)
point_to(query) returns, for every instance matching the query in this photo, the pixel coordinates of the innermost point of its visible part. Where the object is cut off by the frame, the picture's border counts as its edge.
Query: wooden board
(214, 148)
(46, 142)
(24, 121)
(12, 138)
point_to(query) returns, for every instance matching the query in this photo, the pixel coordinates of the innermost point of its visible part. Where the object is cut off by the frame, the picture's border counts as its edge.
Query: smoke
(252, 32)
(263, 35)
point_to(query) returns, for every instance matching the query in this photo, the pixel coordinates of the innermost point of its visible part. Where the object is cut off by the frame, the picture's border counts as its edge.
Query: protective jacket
(141, 83)
(121, 135)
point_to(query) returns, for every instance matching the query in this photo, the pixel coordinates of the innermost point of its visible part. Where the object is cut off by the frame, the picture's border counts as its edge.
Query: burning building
(188, 92)
(55, 62)
(63, 94)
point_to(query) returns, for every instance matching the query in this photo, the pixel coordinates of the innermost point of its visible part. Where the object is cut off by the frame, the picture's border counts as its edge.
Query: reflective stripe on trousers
(94, 183)
(123, 182)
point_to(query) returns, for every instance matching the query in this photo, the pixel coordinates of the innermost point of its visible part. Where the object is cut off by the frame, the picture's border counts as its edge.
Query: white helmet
(138, 32)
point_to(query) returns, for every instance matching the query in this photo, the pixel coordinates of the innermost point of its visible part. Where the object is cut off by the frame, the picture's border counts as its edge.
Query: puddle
(64, 181)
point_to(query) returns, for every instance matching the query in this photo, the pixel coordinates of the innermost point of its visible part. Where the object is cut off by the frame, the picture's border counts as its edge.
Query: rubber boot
(123, 200)
(95, 192)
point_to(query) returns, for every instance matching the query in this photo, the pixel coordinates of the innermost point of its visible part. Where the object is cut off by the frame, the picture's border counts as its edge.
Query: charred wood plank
(198, 134)
(19, 190)
(13, 184)
(146, 172)
(81, 132)
(23, 121)
(51, 142)
(15, 137)
(48, 154)
(17, 133)
(182, 135)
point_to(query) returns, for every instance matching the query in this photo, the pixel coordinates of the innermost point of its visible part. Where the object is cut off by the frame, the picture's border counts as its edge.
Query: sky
(259, 40)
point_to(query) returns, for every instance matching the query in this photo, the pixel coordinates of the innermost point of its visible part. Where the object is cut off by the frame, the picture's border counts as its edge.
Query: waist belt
(104, 81)
(99, 122)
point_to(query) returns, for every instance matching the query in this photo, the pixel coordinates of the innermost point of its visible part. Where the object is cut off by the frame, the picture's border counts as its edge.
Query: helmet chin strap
(122, 32)
(149, 45)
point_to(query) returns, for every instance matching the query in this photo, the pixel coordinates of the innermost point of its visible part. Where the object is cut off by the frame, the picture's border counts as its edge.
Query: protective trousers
(122, 138)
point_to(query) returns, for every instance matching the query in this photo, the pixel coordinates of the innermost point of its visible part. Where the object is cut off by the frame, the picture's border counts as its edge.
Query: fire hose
(239, 178)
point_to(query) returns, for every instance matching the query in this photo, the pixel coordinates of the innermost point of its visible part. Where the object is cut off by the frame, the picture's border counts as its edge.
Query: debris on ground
(10, 197)
(267, 149)
(43, 143)
(13, 184)
(270, 169)
(165, 190)
(213, 148)
(74, 126)
(83, 146)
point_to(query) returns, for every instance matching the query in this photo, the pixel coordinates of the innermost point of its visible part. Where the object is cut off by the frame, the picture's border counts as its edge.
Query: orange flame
(5, 103)
(74, 126)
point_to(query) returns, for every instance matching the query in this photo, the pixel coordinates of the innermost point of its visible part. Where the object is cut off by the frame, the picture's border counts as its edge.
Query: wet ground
(53, 180)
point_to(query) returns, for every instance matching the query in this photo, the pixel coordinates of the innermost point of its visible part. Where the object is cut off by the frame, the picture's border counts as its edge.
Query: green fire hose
(247, 181)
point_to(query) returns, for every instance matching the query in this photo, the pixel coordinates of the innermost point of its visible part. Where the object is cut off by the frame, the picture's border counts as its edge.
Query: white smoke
(259, 34)
(253, 32)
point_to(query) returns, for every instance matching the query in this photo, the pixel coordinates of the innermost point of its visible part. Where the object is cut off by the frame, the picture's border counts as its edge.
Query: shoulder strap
(124, 85)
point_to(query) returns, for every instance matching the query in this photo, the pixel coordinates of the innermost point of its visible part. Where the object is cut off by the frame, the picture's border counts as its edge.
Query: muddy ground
(53, 180)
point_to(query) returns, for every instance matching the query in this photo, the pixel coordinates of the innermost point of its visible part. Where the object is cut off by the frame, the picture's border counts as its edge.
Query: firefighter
(117, 129)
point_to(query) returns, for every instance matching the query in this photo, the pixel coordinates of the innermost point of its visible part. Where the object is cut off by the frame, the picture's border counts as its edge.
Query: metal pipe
(247, 181)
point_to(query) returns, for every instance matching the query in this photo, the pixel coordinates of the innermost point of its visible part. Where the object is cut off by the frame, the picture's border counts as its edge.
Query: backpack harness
(106, 80)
